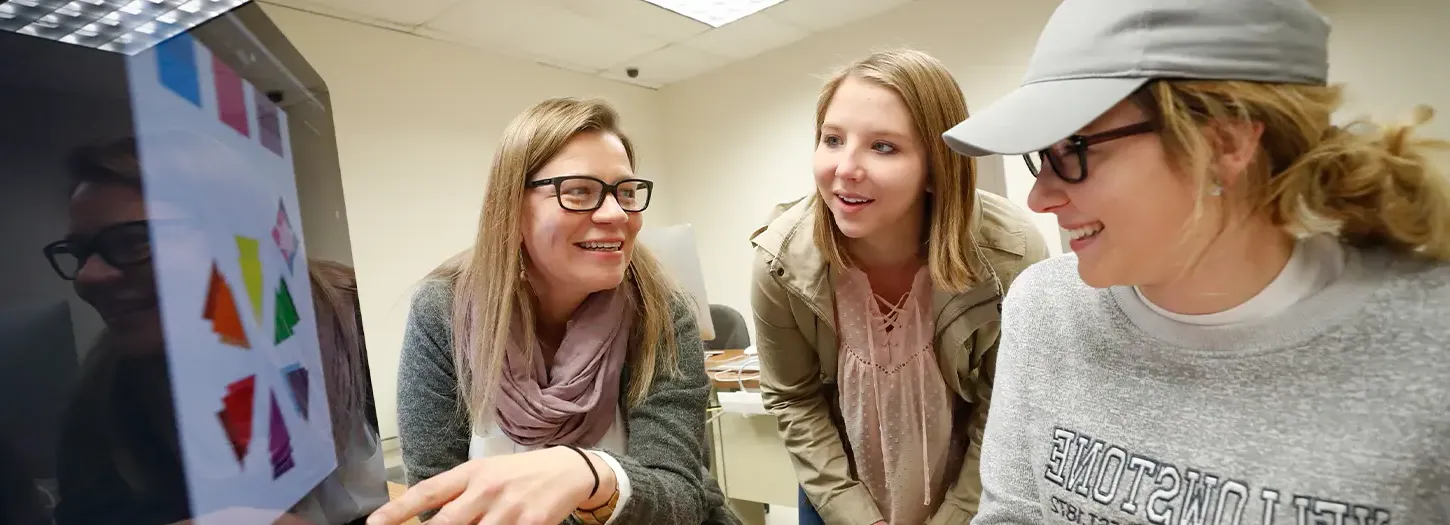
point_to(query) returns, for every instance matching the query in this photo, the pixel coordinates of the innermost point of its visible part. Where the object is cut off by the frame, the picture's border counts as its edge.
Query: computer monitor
(675, 248)
(181, 338)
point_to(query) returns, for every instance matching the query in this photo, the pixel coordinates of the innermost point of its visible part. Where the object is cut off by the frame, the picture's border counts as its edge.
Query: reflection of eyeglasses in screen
(120, 245)
(585, 193)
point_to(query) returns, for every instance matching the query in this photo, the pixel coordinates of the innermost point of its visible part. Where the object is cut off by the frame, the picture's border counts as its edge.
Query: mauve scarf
(572, 401)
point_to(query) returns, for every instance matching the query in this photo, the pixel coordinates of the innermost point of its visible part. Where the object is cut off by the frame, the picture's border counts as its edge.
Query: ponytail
(1371, 185)
(1376, 184)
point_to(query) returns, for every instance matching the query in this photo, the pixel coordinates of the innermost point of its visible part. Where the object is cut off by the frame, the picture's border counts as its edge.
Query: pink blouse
(896, 405)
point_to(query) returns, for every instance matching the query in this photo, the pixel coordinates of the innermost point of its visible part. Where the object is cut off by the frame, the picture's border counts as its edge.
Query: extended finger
(468, 508)
(426, 495)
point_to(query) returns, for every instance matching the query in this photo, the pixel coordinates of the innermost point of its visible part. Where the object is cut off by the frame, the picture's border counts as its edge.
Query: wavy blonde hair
(936, 104)
(1372, 185)
(487, 288)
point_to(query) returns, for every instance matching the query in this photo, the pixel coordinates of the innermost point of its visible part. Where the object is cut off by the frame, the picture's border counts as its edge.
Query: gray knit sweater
(665, 458)
(1333, 412)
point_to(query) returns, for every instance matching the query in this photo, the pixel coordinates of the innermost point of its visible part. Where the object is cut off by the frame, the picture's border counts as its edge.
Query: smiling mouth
(1085, 232)
(854, 200)
(605, 247)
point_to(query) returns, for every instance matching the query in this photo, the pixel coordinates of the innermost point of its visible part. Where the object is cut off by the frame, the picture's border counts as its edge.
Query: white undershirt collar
(1316, 262)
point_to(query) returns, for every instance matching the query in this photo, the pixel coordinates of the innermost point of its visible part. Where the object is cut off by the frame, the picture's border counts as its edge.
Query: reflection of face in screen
(106, 252)
(118, 449)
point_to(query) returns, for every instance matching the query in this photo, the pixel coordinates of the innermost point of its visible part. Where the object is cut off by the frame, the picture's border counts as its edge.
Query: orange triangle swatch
(221, 310)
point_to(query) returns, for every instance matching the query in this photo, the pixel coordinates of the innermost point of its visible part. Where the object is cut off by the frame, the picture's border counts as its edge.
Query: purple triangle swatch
(297, 379)
(281, 442)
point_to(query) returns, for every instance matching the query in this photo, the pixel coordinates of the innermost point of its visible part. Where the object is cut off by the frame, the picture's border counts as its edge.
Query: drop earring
(1216, 190)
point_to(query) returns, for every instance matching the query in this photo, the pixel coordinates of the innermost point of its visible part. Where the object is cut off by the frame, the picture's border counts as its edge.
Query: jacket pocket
(972, 336)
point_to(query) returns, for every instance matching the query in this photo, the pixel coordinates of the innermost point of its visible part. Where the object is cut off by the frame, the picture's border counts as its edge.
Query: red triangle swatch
(236, 415)
(221, 310)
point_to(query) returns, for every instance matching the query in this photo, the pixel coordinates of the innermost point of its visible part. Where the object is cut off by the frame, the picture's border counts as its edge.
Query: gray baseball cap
(1093, 54)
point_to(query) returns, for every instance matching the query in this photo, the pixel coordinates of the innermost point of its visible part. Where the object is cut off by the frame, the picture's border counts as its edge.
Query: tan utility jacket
(794, 306)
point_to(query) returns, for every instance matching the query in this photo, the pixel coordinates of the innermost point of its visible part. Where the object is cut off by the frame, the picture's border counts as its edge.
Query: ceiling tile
(636, 15)
(820, 15)
(391, 13)
(747, 37)
(540, 29)
(509, 49)
(666, 66)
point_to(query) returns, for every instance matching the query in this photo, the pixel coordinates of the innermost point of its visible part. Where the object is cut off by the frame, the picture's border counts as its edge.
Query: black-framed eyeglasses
(120, 245)
(585, 193)
(1077, 145)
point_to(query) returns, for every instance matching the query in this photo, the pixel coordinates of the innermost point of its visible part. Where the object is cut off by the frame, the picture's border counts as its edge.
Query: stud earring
(1216, 190)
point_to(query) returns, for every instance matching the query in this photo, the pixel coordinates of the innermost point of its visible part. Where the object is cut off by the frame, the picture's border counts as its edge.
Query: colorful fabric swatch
(297, 379)
(247, 257)
(176, 65)
(221, 310)
(285, 236)
(231, 97)
(269, 126)
(280, 442)
(236, 415)
(286, 315)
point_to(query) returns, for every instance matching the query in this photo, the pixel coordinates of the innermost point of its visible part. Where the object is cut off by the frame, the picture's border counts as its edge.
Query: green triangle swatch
(287, 317)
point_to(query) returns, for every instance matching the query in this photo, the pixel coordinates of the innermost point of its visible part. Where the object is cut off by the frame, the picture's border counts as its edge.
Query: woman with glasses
(552, 371)
(1252, 327)
(876, 301)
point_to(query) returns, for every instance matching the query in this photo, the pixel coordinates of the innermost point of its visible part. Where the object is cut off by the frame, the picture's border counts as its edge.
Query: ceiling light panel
(122, 26)
(715, 13)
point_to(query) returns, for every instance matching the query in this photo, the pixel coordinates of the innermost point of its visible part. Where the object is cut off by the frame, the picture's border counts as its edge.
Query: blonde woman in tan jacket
(877, 301)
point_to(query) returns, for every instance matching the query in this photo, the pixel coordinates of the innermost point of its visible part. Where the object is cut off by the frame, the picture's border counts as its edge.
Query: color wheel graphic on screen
(244, 360)
(224, 309)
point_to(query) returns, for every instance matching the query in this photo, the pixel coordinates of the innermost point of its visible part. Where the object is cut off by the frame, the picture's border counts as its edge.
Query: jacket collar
(789, 241)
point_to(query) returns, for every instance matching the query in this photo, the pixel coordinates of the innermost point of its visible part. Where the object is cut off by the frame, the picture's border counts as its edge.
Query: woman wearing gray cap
(1252, 327)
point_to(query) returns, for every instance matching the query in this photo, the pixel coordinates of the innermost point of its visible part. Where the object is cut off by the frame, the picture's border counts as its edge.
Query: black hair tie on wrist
(581, 453)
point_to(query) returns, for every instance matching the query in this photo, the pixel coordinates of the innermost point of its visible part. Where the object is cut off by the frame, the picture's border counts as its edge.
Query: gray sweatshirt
(1336, 411)
(669, 481)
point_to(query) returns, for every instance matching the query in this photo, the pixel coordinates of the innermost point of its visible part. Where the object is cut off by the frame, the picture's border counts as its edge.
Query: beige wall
(416, 124)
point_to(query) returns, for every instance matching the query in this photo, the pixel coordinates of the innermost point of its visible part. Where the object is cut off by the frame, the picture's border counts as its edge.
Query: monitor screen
(179, 327)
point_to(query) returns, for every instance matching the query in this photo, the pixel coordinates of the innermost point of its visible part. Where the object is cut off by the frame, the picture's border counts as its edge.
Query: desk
(727, 377)
(751, 463)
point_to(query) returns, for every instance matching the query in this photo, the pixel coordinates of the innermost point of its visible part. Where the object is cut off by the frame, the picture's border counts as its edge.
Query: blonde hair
(1370, 184)
(935, 102)
(487, 288)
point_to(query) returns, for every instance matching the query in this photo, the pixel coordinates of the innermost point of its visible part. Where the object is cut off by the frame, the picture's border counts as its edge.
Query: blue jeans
(808, 514)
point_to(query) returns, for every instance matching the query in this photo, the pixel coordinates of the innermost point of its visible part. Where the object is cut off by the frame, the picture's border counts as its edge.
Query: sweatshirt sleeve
(1009, 489)
(432, 426)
